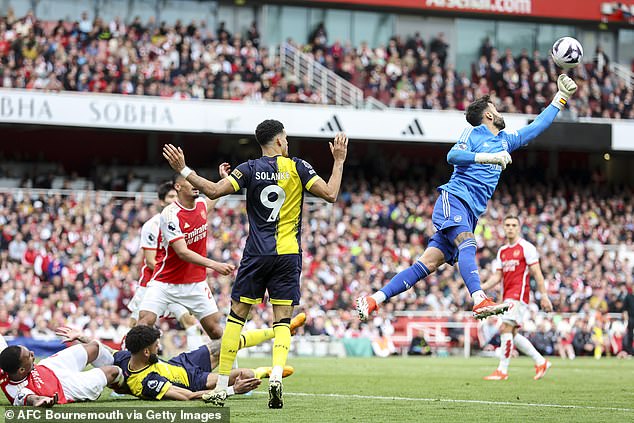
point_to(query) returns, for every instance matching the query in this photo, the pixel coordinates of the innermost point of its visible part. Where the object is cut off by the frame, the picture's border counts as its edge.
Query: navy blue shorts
(451, 217)
(279, 275)
(197, 364)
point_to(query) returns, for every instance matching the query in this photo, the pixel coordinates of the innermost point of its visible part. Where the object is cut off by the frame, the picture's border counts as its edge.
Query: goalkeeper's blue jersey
(475, 183)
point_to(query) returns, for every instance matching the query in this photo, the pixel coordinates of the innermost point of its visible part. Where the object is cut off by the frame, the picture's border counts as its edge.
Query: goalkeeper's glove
(502, 158)
(567, 87)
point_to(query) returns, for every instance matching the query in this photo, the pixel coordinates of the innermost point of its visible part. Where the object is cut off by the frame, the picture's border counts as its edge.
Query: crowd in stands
(74, 259)
(191, 61)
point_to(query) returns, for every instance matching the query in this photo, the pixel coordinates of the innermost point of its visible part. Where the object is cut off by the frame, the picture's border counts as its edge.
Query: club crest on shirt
(516, 253)
(202, 214)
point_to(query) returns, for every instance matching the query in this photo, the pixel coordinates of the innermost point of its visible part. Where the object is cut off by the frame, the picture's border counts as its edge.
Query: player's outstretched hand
(547, 306)
(68, 334)
(566, 86)
(244, 385)
(174, 156)
(46, 401)
(339, 147)
(224, 170)
(222, 268)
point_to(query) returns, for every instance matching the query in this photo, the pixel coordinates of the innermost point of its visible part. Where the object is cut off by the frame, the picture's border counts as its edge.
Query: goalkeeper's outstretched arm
(567, 87)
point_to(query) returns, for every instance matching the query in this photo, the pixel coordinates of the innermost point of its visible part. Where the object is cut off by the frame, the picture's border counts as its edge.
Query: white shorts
(516, 313)
(173, 310)
(195, 297)
(77, 385)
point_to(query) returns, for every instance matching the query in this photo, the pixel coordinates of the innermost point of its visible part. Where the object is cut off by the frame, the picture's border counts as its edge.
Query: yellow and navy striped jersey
(275, 193)
(153, 381)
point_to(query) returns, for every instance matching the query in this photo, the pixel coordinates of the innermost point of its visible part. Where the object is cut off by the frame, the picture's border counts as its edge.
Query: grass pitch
(432, 389)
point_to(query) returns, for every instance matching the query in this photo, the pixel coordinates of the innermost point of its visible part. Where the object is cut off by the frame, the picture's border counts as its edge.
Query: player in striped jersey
(272, 260)
(516, 261)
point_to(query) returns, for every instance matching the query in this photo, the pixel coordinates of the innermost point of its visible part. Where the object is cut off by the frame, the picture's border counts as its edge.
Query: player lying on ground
(513, 264)
(58, 379)
(479, 157)
(188, 375)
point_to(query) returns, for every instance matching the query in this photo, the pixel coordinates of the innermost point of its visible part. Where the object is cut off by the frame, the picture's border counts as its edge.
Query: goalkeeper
(479, 157)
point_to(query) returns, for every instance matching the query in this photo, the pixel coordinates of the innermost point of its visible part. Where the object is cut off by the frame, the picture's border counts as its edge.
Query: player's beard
(153, 358)
(498, 122)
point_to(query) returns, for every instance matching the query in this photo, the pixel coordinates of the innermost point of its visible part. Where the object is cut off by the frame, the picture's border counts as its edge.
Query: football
(567, 52)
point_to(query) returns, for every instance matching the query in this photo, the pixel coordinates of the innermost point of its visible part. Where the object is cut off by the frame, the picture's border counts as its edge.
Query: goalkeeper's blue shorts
(451, 217)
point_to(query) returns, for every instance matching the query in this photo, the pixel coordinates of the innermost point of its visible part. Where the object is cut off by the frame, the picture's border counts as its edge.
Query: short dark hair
(267, 130)
(511, 216)
(475, 111)
(140, 337)
(176, 179)
(10, 359)
(164, 188)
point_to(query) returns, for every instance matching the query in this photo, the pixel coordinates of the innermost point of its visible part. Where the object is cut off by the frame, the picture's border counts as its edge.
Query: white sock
(223, 382)
(524, 345)
(104, 358)
(478, 296)
(379, 297)
(194, 339)
(276, 373)
(506, 347)
(119, 380)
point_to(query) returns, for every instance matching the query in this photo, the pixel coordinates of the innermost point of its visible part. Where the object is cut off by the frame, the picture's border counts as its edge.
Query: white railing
(624, 73)
(333, 88)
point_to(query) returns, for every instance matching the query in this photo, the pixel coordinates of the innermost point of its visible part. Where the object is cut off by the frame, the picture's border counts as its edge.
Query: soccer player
(479, 157)
(515, 261)
(186, 376)
(58, 379)
(180, 275)
(149, 244)
(271, 261)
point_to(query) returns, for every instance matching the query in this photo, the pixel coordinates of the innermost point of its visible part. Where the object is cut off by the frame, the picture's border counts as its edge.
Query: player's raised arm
(176, 159)
(330, 191)
(223, 171)
(461, 154)
(567, 87)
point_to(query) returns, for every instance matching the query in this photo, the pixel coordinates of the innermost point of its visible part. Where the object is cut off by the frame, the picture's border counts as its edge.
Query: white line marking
(449, 400)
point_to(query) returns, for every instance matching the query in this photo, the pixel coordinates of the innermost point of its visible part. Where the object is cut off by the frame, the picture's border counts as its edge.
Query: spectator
(17, 248)
(382, 345)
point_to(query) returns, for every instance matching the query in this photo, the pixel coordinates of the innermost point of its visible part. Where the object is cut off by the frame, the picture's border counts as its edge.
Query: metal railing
(333, 88)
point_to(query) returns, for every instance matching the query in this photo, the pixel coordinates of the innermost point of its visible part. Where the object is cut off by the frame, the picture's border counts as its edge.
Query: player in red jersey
(149, 244)
(180, 275)
(58, 379)
(515, 261)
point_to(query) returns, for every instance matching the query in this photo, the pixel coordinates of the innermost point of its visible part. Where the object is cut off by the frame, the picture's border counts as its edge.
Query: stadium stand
(73, 258)
(190, 61)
